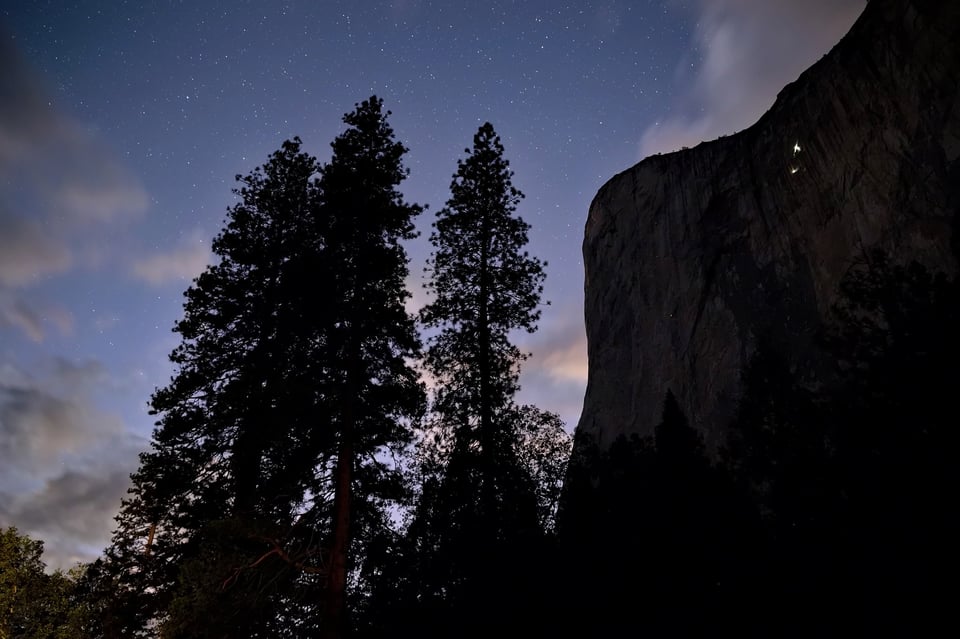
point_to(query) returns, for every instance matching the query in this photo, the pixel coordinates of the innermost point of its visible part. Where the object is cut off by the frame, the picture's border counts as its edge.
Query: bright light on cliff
(796, 149)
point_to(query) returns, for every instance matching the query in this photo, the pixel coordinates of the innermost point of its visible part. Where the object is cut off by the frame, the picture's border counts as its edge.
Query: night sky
(122, 125)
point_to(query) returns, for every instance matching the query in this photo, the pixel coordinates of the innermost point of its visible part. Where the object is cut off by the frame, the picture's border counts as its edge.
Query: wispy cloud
(72, 512)
(566, 357)
(33, 319)
(57, 484)
(59, 185)
(418, 294)
(28, 253)
(14, 313)
(47, 420)
(182, 263)
(52, 165)
(749, 50)
(555, 376)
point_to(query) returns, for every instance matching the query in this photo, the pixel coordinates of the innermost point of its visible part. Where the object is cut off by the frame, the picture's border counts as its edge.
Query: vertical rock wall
(690, 256)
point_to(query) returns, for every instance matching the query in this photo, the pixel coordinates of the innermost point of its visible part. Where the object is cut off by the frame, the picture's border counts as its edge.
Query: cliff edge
(692, 256)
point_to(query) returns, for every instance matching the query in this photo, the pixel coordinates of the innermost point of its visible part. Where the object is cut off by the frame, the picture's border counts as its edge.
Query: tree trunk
(486, 436)
(334, 617)
(334, 614)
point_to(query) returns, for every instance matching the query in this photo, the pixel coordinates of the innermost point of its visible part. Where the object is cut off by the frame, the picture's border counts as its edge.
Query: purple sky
(122, 125)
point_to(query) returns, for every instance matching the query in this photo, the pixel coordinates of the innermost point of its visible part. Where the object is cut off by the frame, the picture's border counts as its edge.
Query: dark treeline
(304, 481)
(832, 509)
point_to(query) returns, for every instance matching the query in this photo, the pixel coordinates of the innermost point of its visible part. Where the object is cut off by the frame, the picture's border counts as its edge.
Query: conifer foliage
(484, 507)
(291, 375)
(35, 603)
(373, 339)
(485, 285)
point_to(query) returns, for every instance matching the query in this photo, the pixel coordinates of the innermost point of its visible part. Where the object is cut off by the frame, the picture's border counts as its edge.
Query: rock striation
(692, 256)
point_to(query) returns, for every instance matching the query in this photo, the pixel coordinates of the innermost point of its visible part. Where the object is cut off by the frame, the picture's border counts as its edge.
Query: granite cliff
(691, 256)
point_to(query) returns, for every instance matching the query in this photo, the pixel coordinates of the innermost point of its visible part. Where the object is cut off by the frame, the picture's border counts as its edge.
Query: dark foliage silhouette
(489, 469)
(852, 469)
(664, 532)
(293, 375)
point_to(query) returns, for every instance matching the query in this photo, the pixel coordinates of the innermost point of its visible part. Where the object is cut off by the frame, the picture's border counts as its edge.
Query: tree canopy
(293, 374)
(491, 469)
(35, 604)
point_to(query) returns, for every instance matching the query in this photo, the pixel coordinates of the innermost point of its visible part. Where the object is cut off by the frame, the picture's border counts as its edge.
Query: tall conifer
(292, 375)
(484, 286)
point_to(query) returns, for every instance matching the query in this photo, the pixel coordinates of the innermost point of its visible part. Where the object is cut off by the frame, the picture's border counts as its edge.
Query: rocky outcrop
(691, 256)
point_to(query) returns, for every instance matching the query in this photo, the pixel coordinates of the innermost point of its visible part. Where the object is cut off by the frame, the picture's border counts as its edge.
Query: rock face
(691, 256)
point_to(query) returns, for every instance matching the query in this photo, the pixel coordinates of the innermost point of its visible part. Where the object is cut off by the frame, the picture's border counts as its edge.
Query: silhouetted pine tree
(292, 374)
(701, 534)
(238, 428)
(480, 514)
(484, 285)
(852, 468)
(373, 338)
(895, 438)
(661, 537)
